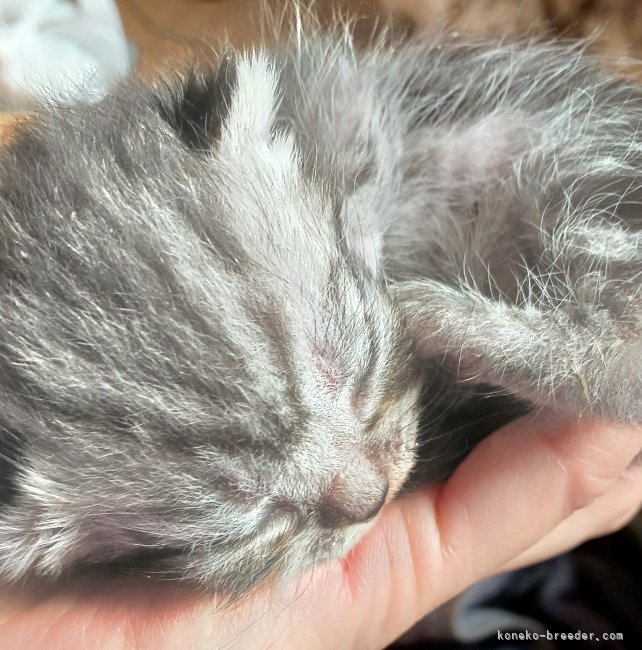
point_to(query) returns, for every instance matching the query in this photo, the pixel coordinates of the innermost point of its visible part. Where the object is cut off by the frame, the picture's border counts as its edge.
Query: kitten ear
(254, 103)
(231, 106)
(198, 105)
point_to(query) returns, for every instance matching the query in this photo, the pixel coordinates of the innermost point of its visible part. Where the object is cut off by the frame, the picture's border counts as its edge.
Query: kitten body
(219, 294)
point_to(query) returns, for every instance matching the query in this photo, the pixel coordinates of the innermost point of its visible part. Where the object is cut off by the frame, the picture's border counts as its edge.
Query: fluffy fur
(218, 293)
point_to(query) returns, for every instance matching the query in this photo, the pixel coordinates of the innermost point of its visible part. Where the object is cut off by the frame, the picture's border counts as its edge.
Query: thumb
(514, 488)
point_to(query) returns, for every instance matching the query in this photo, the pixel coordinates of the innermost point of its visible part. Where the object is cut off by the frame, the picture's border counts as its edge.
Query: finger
(521, 483)
(430, 545)
(515, 488)
(607, 514)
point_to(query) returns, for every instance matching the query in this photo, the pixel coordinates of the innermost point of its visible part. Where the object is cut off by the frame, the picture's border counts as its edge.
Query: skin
(534, 489)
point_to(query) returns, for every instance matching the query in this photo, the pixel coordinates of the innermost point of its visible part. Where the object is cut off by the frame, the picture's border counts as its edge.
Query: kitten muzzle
(355, 495)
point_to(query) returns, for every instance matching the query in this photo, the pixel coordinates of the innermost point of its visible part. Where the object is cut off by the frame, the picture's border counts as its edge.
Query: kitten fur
(221, 295)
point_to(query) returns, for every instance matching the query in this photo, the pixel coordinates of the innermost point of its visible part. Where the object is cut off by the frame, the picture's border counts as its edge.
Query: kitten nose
(355, 495)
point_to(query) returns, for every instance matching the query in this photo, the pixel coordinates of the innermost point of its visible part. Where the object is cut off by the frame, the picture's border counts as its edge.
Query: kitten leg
(572, 356)
(598, 263)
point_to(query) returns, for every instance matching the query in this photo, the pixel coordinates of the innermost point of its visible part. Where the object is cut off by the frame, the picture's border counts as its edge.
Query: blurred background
(615, 24)
(65, 49)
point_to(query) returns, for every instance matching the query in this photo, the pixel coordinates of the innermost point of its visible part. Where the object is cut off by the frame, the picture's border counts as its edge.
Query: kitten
(222, 295)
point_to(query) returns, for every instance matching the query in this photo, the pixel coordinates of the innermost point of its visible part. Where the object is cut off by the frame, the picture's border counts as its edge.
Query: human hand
(532, 490)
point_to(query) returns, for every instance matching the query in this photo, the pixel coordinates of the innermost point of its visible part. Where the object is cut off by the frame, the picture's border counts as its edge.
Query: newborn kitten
(219, 295)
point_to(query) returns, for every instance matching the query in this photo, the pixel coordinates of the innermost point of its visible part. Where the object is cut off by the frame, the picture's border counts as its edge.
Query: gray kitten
(221, 296)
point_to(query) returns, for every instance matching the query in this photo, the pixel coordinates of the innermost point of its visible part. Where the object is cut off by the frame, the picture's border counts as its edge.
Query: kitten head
(198, 368)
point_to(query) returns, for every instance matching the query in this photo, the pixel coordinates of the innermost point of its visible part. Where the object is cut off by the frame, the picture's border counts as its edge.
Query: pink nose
(355, 495)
